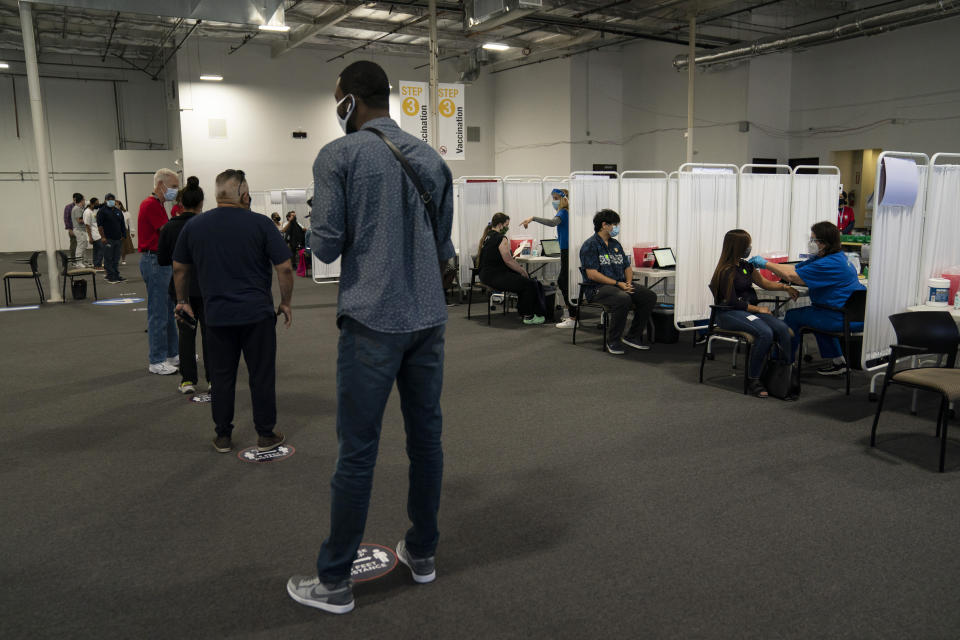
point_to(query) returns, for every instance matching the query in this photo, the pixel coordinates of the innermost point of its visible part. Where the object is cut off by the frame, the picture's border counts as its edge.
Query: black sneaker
(833, 369)
(423, 570)
(267, 443)
(223, 444)
(635, 343)
(308, 590)
(615, 348)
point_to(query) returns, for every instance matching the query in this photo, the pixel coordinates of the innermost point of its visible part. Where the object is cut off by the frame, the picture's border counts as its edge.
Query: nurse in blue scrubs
(831, 279)
(562, 222)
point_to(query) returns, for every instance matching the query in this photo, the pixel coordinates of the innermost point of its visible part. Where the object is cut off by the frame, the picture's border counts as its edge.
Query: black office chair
(741, 337)
(853, 310)
(924, 333)
(67, 272)
(33, 274)
(475, 282)
(583, 304)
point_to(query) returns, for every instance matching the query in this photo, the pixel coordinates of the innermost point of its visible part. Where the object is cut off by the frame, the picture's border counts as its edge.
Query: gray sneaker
(308, 590)
(423, 569)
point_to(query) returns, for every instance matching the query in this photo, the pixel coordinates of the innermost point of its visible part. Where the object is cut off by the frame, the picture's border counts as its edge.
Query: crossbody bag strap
(425, 196)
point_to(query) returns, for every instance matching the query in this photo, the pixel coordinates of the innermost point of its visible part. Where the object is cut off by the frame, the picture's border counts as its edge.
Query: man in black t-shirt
(232, 250)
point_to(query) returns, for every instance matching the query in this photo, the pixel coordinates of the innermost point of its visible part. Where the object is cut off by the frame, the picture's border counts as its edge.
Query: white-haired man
(161, 326)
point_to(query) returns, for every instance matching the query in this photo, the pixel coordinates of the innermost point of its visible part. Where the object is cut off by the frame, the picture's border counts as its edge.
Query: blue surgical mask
(111, 203)
(170, 194)
(615, 231)
(556, 205)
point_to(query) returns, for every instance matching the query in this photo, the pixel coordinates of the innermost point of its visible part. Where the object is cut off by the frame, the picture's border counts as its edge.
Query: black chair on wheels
(741, 337)
(924, 333)
(33, 274)
(581, 305)
(853, 310)
(67, 272)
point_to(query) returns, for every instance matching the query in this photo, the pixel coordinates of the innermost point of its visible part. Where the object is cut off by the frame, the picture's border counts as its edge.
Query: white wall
(82, 129)
(533, 119)
(265, 99)
(768, 107)
(596, 110)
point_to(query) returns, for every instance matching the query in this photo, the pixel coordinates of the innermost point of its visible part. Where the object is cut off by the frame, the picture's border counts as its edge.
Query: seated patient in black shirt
(732, 286)
(500, 271)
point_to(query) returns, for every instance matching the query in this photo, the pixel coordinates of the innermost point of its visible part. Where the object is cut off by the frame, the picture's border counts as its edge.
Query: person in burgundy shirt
(161, 326)
(845, 216)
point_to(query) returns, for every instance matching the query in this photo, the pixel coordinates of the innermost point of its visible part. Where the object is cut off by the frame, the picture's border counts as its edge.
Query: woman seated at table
(732, 286)
(831, 279)
(501, 272)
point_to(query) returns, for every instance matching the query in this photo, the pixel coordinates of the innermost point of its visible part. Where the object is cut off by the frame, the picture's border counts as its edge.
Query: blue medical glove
(758, 261)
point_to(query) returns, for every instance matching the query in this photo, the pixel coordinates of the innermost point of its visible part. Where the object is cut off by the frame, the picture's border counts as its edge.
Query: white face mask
(556, 205)
(170, 194)
(344, 119)
(813, 248)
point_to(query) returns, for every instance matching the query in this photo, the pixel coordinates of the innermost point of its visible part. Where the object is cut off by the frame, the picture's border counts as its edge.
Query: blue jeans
(818, 319)
(368, 363)
(111, 258)
(161, 325)
(765, 330)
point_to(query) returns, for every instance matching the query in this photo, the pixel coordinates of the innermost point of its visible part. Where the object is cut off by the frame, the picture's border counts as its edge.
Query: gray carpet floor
(585, 495)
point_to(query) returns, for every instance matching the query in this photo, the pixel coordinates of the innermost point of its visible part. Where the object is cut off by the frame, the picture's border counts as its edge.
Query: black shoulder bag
(448, 272)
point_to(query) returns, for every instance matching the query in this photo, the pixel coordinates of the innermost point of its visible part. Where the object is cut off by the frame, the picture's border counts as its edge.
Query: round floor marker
(282, 452)
(116, 301)
(373, 561)
(201, 398)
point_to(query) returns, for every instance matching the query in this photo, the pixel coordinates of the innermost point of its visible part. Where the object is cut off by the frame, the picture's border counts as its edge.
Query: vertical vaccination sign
(415, 116)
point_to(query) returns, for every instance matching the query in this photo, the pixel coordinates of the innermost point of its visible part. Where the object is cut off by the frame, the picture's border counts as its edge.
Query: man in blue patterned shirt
(391, 314)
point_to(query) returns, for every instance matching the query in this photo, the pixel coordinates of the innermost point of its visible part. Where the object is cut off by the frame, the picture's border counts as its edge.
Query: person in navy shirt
(831, 279)
(562, 222)
(606, 268)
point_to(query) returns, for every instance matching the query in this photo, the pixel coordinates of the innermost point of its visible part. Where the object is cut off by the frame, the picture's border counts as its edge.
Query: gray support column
(434, 82)
(691, 68)
(47, 213)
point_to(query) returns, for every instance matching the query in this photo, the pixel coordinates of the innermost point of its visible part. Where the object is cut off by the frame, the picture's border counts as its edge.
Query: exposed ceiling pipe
(925, 12)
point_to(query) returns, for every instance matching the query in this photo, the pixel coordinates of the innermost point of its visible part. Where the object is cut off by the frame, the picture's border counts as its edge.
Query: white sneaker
(569, 323)
(174, 361)
(162, 369)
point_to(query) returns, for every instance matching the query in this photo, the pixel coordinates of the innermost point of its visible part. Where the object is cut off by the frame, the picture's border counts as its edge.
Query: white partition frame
(764, 205)
(477, 205)
(648, 223)
(941, 226)
(584, 204)
(672, 204)
(895, 247)
(700, 228)
(826, 189)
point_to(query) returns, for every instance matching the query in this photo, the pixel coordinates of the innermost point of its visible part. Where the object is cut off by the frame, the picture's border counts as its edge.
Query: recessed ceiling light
(4, 65)
(211, 77)
(274, 27)
(496, 46)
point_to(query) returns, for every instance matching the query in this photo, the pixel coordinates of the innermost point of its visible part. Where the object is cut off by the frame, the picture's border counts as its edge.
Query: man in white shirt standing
(80, 230)
(93, 233)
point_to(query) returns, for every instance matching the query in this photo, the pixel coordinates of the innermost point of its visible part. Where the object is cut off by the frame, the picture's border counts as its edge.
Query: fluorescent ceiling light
(211, 77)
(274, 27)
(4, 65)
(495, 46)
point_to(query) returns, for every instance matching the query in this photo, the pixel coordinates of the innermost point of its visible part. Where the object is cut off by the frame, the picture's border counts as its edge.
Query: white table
(652, 272)
(540, 261)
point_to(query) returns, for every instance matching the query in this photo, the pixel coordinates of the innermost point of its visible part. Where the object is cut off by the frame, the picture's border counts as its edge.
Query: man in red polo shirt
(161, 325)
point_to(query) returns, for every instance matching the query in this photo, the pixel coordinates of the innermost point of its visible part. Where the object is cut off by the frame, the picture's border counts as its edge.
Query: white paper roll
(276, 197)
(899, 182)
(296, 196)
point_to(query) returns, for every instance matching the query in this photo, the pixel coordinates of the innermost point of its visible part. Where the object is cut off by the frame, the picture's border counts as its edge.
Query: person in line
(606, 267)
(276, 220)
(192, 201)
(68, 223)
(831, 279)
(128, 239)
(845, 215)
(294, 236)
(93, 232)
(232, 250)
(80, 231)
(113, 231)
(391, 322)
(161, 327)
(732, 286)
(560, 202)
(499, 269)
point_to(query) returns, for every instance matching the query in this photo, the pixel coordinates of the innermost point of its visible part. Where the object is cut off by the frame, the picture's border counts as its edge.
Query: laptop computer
(664, 258)
(550, 248)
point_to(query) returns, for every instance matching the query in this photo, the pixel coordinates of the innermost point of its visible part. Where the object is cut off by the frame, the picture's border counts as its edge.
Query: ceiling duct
(482, 15)
(232, 11)
(872, 25)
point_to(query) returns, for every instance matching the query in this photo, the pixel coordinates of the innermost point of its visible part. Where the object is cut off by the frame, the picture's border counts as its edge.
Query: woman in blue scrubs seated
(831, 279)
(500, 271)
(732, 286)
